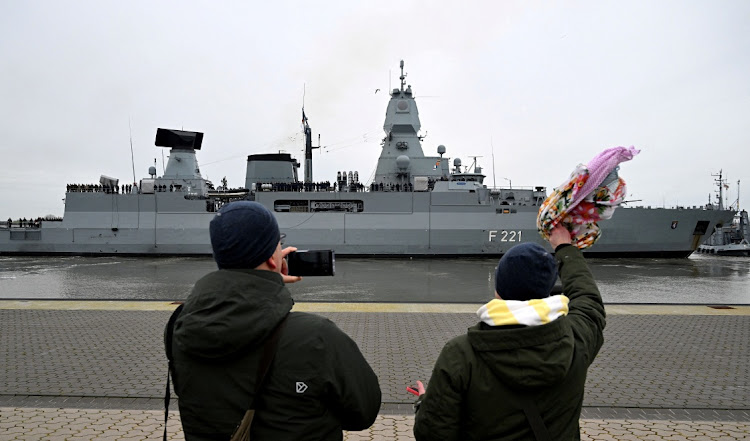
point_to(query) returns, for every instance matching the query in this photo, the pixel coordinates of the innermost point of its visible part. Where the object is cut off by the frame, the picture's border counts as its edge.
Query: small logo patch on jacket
(301, 387)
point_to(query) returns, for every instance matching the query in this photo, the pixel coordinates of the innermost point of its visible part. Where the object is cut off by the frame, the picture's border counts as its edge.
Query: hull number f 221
(505, 236)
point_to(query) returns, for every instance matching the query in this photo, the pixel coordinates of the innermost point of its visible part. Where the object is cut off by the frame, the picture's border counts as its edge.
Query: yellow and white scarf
(530, 312)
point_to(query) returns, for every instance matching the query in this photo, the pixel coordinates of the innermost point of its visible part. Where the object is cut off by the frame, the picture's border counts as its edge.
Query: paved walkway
(96, 370)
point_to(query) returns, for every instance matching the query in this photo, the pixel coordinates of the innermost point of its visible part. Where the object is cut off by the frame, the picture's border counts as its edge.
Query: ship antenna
(738, 195)
(492, 146)
(720, 183)
(308, 147)
(403, 76)
(132, 159)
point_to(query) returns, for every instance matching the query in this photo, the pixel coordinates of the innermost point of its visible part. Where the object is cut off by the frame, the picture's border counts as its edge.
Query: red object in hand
(412, 390)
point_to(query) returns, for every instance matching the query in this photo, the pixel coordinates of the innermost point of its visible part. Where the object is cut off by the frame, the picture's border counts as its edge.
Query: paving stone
(64, 370)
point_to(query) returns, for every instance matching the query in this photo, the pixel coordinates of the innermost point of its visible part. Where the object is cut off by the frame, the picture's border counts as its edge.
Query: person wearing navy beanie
(527, 271)
(318, 382)
(244, 234)
(531, 347)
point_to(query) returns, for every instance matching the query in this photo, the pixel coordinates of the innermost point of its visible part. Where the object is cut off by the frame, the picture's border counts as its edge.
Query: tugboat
(732, 239)
(415, 205)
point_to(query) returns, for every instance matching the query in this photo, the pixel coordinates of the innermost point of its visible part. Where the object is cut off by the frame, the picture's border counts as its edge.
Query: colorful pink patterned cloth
(585, 198)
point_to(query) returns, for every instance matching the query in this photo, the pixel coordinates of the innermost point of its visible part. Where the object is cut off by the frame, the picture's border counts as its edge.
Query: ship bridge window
(351, 206)
(291, 206)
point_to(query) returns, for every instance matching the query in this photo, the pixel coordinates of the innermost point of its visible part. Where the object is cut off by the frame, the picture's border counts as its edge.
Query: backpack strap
(534, 417)
(168, 332)
(531, 411)
(242, 431)
(269, 350)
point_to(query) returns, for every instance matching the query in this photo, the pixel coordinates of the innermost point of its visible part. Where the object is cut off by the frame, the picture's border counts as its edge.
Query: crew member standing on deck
(520, 372)
(318, 383)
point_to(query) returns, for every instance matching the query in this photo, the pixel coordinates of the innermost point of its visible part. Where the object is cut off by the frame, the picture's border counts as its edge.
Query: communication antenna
(132, 159)
(494, 184)
(736, 204)
(403, 76)
(472, 167)
(720, 182)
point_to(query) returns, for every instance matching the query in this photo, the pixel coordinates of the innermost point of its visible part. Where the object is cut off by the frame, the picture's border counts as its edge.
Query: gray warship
(416, 205)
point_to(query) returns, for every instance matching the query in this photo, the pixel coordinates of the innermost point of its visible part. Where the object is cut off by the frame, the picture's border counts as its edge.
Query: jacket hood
(231, 310)
(536, 355)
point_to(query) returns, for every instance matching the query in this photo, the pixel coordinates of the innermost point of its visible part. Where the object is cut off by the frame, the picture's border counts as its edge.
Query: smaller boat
(732, 239)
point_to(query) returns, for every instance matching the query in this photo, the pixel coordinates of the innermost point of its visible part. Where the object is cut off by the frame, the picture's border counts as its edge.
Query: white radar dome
(402, 162)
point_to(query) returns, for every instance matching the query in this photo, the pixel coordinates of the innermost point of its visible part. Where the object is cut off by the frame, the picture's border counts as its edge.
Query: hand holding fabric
(591, 193)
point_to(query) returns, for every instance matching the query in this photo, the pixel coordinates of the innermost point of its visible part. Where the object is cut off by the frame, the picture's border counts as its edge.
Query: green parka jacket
(468, 394)
(318, 384)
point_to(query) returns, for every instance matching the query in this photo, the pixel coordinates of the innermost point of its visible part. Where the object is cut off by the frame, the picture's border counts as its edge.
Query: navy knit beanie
(527, 271)
(244, 234)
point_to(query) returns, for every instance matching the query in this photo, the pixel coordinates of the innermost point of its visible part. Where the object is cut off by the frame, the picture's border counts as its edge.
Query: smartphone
(412, 390)
(311, 263)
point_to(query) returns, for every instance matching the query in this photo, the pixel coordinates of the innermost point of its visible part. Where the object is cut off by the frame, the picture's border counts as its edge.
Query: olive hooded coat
(472, 393)
(318, 384)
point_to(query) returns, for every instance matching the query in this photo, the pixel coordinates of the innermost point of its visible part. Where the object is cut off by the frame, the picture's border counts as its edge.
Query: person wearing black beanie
(528, 355)
(527, 271)
(318, 382)
(244, 234)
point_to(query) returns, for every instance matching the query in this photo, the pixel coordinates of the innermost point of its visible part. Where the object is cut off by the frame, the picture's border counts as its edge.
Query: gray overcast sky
(548, 84)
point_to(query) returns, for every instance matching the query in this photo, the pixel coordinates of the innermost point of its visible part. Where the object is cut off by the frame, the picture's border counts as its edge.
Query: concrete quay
(95, 370)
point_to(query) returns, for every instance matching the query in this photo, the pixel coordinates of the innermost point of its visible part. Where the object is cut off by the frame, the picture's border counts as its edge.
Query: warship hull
(396, 224)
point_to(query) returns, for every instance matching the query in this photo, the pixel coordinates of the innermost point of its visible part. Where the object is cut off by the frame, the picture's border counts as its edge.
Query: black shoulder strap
(535, 419)
(531, 411)
(269, 350)
(168, 332)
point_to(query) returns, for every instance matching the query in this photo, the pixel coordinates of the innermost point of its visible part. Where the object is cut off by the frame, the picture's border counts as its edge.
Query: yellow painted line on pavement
(100, 305)
(622, 309)
(425, 308)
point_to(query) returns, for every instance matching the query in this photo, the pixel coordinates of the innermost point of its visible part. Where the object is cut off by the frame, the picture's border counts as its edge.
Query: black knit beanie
(527, 271)
(244, 234)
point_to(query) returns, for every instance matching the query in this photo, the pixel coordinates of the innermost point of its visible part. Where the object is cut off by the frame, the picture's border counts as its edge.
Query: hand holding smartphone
(412, 390)
(311, 263)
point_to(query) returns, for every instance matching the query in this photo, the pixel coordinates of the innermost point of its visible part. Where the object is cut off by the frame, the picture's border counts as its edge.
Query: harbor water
(700, 279)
